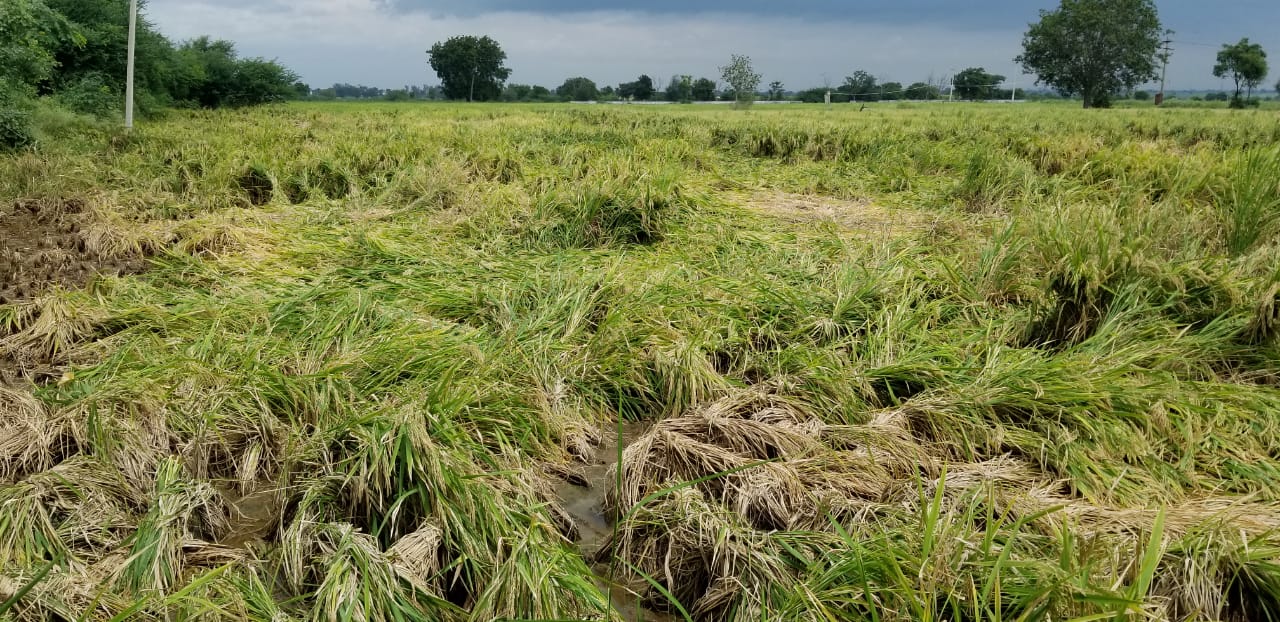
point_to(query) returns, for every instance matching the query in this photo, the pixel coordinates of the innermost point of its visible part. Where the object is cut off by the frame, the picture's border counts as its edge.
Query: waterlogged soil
(42, 244)
(583, 499)
(254, 517)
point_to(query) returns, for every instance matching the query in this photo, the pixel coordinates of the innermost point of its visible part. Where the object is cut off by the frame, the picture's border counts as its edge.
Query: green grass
(976, 362)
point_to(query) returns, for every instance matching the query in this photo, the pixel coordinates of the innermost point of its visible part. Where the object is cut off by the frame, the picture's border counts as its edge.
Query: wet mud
(43, 244)
(582, 498)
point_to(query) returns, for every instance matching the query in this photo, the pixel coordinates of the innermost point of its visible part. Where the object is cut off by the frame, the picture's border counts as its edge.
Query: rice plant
(338, 361)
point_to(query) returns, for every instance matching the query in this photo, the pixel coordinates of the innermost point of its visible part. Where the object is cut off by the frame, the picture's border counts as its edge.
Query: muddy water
(254, 517)
(585, 503)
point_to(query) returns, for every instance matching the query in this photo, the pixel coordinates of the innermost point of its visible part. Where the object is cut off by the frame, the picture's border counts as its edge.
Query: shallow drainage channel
(584, 499)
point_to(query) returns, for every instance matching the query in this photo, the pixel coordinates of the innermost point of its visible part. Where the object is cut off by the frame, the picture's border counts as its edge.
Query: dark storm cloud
(985, 14)
(801, 42)
(1185, 16)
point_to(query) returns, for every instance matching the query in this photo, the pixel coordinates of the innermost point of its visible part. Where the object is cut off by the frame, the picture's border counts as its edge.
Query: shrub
(15, 122)
(92, 95)
(15, 129)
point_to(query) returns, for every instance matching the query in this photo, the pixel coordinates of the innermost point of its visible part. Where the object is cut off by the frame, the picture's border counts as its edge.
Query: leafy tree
(102, 56)
(527, 93)
(204, 73)
(258, 81)
(1142, 96)
(517, 92)
(860, 85)
(1245, 63)
(922, 90)
(891, 91)
(975, 83)
(640, 90)
(578, 89)
(357, 91)
(30, 34)
(704, 90)
(1094, 48)
(209, 74)
(776, 92)
(470, 67)
(680, 89)
(742, 79)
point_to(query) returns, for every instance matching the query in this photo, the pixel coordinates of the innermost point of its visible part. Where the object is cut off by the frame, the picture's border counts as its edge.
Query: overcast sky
(803, 43)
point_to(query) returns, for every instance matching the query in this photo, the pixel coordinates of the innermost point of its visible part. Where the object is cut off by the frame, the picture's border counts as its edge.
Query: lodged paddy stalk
(345, 362)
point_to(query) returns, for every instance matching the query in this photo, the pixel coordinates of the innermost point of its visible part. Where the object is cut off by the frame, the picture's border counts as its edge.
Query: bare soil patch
(43, 244)
(856, 215)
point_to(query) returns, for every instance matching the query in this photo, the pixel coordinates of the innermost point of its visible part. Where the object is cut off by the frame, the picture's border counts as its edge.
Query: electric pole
(128, 80)
(1164, 69)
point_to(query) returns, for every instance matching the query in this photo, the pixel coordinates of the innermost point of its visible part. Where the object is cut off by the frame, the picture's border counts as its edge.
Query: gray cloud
(803, 43)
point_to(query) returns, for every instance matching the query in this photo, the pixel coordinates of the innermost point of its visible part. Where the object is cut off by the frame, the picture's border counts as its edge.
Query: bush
(1240, 103)
(15, 122)
(52, 122)
(92, 95)
(15, 129)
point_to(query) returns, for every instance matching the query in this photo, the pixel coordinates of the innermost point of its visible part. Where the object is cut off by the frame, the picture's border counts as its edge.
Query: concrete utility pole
(1164, 69)
(128, 80)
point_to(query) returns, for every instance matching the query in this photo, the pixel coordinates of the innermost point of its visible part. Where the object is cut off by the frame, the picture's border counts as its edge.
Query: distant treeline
(686, 89)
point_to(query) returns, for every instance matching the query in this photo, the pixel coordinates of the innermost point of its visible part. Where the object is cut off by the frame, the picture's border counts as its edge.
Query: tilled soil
(42, 245)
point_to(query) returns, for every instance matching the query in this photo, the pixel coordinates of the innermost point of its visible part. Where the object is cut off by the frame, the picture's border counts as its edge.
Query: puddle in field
(254, 516)
(585, 504)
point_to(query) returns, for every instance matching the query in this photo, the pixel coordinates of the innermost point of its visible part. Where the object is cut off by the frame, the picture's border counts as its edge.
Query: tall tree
(680, 89)
(30, 35)
(891, 91)
(640, 90)
(470, 67)
(206, 71)
(1094, 48)
(704, 90)
(859, 85)
(578, 89)
(742, 78)
(923, 90)
(210, 74)
(102, 57)
(975, 83)
(776, 92)
(1245, 63)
